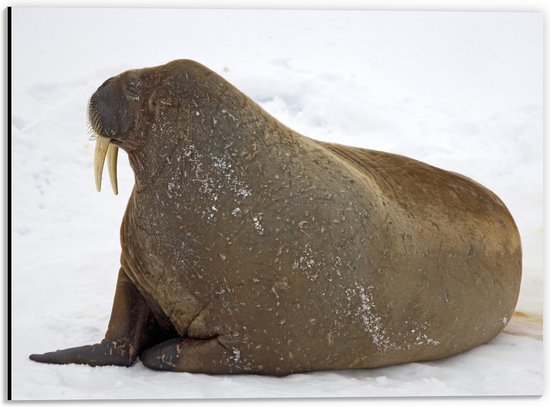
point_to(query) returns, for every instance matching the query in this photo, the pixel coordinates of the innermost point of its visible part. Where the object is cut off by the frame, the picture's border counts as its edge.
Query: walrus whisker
(93, 118)
(91, 132)
(96, 123)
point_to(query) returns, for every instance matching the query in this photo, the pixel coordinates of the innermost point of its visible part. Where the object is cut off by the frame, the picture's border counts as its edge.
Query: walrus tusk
(103, 148)
(112, 155)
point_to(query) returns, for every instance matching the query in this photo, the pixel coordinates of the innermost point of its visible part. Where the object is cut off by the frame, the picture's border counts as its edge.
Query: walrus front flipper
(131, 326)
(193, 356)
(100, 354)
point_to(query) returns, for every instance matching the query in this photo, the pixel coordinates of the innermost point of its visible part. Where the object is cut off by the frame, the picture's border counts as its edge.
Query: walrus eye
(132, 92)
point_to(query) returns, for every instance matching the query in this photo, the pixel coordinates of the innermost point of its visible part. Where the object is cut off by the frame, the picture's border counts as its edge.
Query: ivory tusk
(101, 147)
(112, 155)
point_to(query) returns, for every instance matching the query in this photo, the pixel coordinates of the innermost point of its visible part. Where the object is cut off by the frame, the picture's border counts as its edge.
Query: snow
(462, 91)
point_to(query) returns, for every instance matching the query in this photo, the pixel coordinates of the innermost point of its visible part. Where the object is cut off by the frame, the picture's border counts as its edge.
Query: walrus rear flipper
(131, 327)
(193, 356)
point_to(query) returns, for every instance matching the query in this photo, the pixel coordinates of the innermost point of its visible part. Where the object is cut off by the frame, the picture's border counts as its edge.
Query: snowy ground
(462, 91)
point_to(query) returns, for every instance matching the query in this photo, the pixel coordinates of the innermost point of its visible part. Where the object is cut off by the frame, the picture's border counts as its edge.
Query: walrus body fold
(247, 247)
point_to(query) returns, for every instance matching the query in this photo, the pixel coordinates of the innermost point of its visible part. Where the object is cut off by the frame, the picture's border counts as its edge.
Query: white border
(408, 5)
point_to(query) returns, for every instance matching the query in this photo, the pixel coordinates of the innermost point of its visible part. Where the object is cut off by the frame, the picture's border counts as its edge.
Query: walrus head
(150, 112)
(118, 114)
(112, 113)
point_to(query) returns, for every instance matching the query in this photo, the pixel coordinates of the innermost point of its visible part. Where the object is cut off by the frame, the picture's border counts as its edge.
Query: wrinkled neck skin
(152, 163)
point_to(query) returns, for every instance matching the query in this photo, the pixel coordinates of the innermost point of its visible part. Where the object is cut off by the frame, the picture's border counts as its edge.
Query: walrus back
(456, 250)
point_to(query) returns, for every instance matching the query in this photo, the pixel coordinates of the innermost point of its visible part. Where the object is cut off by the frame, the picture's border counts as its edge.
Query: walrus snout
(109, 111)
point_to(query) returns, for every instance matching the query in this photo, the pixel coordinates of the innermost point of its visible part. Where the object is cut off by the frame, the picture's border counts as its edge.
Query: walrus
(249, 248)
